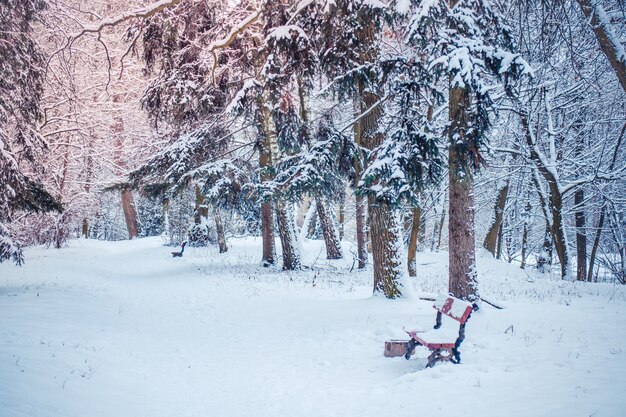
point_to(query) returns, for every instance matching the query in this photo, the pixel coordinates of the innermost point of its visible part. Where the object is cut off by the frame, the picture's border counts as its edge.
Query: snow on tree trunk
(385, 230)
(607, 38)
(544, 260)
(463, 280)
(287, 233)
(491, 240)
(219, 229)
(361, 233)
(333, 247)
(386, 235)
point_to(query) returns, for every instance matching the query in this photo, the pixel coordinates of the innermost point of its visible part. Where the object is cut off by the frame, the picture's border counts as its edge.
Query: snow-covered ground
(123, 329)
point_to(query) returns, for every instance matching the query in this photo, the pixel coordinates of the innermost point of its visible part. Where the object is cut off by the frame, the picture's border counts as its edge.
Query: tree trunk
(525, 235)
(265, 164)
(544, 260)
(596, 243)
(413, 238)
(85, 229)
(463, 279)
(500, 238)
(287, 233)
(219, 229)
(166, 219)
(386, 237)
(442, 221)
(555, 203)
(333, 247)
(609, 42)
(581, 236)
(491, 239)
(385, 231)
(267, 233)
(342, 217)
(128, 205)
(361, 233)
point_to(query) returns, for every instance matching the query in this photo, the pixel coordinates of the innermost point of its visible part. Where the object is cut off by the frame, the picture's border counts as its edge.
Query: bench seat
(435, 339)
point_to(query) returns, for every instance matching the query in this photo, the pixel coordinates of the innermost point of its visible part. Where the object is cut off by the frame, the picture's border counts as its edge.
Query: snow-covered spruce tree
(189, 96)
(350, 36)
(320, 170)
(465, 43)
(22, 69)
(285, 63)
(408, 159)
(346, 33)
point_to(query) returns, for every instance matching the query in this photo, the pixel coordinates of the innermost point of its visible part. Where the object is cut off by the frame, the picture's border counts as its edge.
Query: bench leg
(438, 356)
(410, 348)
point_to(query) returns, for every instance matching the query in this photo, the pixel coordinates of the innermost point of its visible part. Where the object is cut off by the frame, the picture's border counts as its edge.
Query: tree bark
(386, 237)
(85, 229)
(413, 238)
(287, 233)
(491, 239)
(609, 42)
(342, 217)
(265, 164)
(525, 236)
(130, 214)
(463, 279)
(596, 244)
(219, 229)
(581, 237)
(166, 219)
(333, 247)
(361, 233)
(384, 226)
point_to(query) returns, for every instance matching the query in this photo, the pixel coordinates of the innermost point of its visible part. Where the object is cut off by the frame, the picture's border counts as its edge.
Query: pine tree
(465, 43)
(22, 69)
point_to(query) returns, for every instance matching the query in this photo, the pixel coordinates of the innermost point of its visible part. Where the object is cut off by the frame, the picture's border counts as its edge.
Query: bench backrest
(454, 308)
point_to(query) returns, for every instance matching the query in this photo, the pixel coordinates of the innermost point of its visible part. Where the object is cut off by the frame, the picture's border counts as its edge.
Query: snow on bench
(443, 343)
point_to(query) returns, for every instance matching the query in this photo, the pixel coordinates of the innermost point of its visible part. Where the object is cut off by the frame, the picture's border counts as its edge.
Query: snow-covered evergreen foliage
(469, 45)
(322, 169)
(21, 86)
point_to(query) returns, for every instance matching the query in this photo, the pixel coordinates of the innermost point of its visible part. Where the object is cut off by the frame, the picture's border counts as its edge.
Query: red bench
(443, 343)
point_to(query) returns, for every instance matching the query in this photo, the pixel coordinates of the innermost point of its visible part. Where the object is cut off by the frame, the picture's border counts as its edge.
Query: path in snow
(122, 329)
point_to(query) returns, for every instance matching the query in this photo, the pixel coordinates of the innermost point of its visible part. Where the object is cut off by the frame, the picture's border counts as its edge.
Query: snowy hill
(123, 329)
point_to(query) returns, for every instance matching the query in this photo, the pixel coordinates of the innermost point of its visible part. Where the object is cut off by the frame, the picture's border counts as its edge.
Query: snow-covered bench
(444, 342)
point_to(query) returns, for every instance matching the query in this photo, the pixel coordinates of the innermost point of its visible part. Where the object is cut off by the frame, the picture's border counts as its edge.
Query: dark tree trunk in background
(85, 229)
(525, 236)
(581, 236)
(413, 239)
(491, 240)
(342, 217)
(267, 233)
(596, 244)
(130, 214)
(333, 247)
